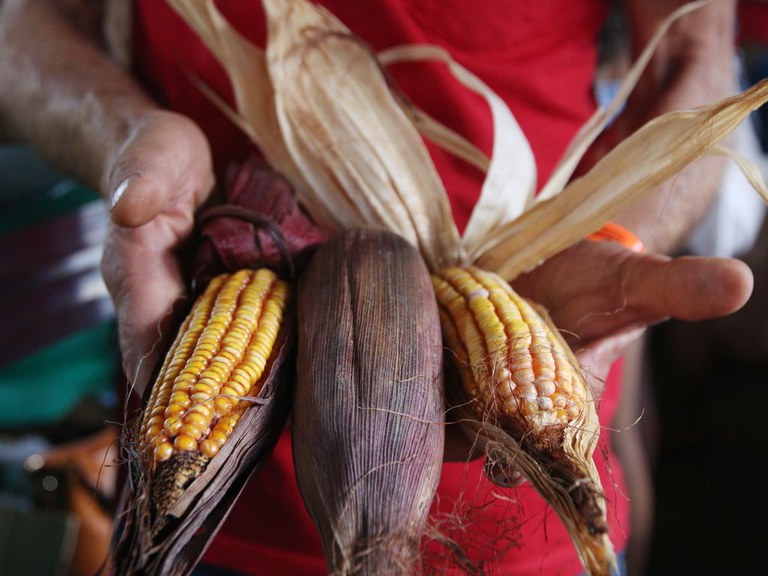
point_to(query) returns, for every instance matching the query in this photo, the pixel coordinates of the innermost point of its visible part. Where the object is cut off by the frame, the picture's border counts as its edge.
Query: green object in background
(43, 387)
(31, 191)
(35, 207)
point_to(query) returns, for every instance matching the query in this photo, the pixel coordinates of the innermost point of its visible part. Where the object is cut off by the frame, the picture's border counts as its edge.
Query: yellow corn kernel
(209, 448)
(163, 451)
(507, 355)
(218, 357)
(185, 443)
(172, 425)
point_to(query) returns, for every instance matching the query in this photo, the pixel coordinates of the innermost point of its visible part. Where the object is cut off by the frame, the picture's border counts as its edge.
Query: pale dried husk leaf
(588, 133)
(350, 146)
(357, 149)
(243, 62)
(510, 181)
(752, 173)
(448, 139)
(636, 167)
(255, 114)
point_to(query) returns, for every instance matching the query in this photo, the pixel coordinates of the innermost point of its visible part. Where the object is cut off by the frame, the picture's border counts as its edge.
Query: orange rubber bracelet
(615, 233)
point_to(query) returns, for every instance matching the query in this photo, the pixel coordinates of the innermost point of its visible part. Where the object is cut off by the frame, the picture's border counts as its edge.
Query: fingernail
(121, 189)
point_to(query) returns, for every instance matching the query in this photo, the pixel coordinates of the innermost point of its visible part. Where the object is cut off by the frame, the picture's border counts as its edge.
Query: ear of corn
(212, 371)
(213, 414)
(527, 400)
(368, 419)
(223, 392)
(218, 357)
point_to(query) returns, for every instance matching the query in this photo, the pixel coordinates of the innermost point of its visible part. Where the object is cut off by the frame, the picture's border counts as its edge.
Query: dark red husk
(259, 224)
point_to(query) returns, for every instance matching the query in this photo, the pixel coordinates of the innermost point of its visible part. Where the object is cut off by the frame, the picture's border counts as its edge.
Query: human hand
(602, 296)
(161, 173)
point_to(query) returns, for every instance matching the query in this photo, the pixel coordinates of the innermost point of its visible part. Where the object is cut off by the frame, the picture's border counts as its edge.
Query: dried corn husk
(171, 510)
(368, 415)
(642, 162)
(353, 143)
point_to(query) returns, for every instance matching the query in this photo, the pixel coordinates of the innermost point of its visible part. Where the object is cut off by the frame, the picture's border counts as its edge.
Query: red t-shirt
(540, 58)
(753, 22)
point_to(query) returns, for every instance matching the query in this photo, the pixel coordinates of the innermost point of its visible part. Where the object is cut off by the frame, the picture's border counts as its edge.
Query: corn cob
(223, 391)
(211, 373)
(532, 405)
(368, 411)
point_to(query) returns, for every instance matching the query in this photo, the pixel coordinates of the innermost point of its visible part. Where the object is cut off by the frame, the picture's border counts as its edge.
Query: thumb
(140, 196)
(688, 288)
(165, 157)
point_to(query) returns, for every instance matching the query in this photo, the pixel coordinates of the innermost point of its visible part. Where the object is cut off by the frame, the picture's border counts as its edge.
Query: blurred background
(59, 371)
(692, 430)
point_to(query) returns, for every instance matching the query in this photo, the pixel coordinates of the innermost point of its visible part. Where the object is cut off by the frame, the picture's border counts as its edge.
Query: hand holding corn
(598, 294)
(160, 175)
(603, 296)
(221, 394)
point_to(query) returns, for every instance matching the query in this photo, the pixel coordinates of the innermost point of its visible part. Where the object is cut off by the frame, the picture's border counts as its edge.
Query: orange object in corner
(611, 231)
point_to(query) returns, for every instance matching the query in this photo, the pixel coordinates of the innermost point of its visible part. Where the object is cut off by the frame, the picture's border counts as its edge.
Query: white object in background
(731, 226)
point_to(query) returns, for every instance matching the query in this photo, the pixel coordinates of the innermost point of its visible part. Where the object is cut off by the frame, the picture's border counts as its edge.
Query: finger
(598, 357)
(142, 196)
(165, 159)
(688, 288)
(146, 284)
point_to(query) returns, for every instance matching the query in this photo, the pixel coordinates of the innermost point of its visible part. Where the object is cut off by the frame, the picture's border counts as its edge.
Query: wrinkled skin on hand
(161, 174)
